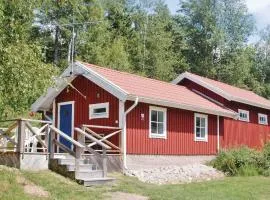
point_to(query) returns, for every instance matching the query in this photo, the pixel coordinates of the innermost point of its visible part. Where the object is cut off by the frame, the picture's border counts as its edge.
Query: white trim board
(72, 119)
(218, 91)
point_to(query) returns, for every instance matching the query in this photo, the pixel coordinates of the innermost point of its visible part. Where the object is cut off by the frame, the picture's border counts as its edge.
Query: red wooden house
(190, 116)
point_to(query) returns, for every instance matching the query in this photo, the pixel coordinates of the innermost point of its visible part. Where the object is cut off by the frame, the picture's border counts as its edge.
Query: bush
(248, 170)
(238, 161)
(266, 172)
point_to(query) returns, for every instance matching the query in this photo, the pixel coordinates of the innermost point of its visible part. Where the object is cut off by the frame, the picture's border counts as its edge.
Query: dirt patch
(125, 196)
(31, 189)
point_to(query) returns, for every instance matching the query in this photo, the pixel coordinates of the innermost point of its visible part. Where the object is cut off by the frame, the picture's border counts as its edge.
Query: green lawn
(61, 188)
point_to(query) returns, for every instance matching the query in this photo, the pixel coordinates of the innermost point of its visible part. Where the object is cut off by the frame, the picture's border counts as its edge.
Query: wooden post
(47, 137)
(79, 150)
(21, 137)
(52, 146)
(104, 162)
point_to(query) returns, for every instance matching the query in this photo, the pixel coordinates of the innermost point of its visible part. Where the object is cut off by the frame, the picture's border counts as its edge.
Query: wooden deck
(33, 144)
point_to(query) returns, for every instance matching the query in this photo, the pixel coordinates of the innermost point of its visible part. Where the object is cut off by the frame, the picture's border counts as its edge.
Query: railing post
(104, 162)
(47, 137)
(21, 137)
(52, 146)
(79, 150)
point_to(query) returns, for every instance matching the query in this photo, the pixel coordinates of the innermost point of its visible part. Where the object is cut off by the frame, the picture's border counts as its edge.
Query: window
(201, 127)
(100, 110)
(158, 122)
(243, 115)
(262, 119)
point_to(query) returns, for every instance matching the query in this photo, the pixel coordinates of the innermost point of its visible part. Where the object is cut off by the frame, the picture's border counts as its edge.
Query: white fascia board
(245, 101)
(204, 84)
(103, 82)
(159, 102)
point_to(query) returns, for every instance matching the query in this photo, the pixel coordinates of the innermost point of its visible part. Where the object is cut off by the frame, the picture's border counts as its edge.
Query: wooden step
(71, 161)
(97, 181)
(82, 167)
(82, 175)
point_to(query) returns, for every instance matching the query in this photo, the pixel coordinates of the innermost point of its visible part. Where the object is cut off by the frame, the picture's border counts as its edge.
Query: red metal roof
(158, 90)
(234, 93)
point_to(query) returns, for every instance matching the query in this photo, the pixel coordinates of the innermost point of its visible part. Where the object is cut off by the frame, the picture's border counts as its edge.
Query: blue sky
(259, 8)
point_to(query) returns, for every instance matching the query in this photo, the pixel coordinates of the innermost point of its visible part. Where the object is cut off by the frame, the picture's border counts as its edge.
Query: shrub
(243, 161)
(239, 161)
(248, 170)
(266, 172)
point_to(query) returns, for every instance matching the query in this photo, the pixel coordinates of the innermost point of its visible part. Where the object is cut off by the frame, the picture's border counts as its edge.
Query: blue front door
(65, 123)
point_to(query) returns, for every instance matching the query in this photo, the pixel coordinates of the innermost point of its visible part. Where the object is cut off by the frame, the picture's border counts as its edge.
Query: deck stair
(76, 166)
(86, 173)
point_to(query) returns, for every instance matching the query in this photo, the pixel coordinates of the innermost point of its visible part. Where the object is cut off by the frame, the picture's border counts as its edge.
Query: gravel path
(176, 174)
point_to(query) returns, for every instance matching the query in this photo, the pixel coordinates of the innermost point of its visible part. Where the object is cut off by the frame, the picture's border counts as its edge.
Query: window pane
(202, 132)
(160, 116)
(99, 110)
(198, 134)
(154, 127)
(202, 122)
(160, 128)
(153, 115)
(198, 121)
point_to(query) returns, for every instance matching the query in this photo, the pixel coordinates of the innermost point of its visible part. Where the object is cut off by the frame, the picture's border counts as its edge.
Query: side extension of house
(251, 128)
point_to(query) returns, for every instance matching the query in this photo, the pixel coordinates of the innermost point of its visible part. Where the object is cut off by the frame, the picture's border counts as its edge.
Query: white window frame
(266, 119)
(243, 111)
(153, 135)
(97, 106)
(200, 139)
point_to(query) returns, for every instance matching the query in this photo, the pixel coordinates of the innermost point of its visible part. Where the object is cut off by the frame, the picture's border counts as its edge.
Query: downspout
(218, 134)
(125, 131)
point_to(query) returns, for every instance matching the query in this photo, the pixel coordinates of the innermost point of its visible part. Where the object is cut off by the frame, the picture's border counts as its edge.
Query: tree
(23, 75)
(216, 32)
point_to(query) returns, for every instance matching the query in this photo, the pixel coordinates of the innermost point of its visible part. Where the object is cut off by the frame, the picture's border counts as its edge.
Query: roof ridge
(233, 86)
(136, 75)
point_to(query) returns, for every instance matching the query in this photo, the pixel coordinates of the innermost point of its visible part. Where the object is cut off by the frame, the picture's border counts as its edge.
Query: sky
(259, 8)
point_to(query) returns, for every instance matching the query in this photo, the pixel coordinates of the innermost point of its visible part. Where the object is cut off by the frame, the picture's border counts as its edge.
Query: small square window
(100, 110)
(243, 115)
(262, 119)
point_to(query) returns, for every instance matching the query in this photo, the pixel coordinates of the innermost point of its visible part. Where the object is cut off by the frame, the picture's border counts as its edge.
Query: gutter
(125, 131)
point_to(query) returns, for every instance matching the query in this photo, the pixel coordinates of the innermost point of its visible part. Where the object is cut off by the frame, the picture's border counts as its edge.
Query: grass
(231, 188)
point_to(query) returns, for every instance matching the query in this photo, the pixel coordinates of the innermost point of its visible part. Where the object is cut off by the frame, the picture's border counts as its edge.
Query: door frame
(72, 119)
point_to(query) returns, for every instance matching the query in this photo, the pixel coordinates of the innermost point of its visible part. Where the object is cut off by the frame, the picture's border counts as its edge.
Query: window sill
(158, 136)
(242, 120)
(200, 140)
(263, 124)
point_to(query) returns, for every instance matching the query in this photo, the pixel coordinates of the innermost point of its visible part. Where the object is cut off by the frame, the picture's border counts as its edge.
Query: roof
(228, 92)
(128, 86)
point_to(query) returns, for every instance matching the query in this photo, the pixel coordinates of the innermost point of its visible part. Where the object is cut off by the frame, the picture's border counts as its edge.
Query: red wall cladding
(180, 134)
(191, 85)
(94, 94)
(238, 133)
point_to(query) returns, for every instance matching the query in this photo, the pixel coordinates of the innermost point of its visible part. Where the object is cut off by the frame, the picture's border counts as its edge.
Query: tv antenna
(71, 46)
